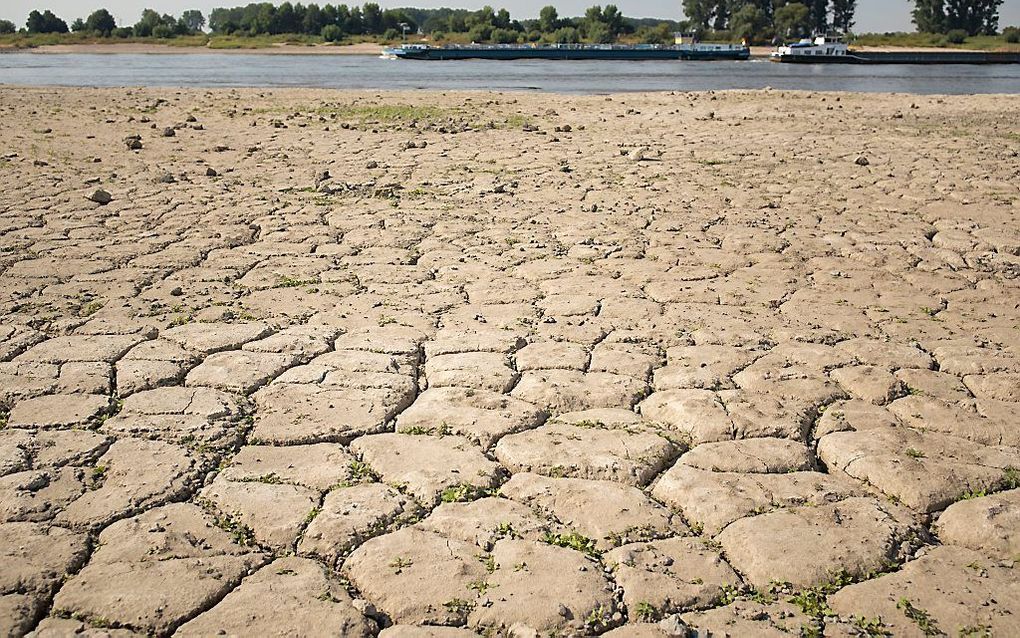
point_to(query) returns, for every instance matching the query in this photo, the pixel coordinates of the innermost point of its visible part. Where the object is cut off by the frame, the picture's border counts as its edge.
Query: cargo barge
(691, 51)
(829, 50)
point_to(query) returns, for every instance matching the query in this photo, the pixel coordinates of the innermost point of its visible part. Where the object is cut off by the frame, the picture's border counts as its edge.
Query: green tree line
(764, 20)
(337, 22)
(966, 17)
(102, 23)
(753, 20)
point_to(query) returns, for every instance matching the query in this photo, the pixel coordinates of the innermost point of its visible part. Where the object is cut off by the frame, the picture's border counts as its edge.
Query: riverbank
(361, 48)
(279, 360)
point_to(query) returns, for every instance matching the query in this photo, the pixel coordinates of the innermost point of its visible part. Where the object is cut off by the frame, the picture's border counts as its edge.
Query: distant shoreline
(363, 48)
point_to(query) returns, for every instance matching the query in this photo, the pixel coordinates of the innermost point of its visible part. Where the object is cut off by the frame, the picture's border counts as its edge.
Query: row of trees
(332, 22)
(102, 23)
(753, 20)
(974, 17)
(761, 20)
(487, 24)
(336, 22)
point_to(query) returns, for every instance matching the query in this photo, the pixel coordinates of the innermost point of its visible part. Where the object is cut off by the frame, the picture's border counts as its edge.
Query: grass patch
(90, 308)
(392, 112)
(33, 40)
(283, 281)
(268, 479)
(573, 541)
(458, 606)
(976, 43)
(872, 627)
(230, 523)
(362, 472)
(464, 493)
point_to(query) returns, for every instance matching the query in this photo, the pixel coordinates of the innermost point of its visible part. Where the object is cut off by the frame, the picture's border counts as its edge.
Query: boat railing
(594, 47)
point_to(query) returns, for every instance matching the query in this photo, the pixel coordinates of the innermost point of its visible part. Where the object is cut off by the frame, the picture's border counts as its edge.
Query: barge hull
(570, 54)
(906, 58)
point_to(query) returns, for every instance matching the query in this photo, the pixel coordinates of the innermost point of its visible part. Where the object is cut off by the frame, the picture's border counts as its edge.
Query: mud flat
(432, 364)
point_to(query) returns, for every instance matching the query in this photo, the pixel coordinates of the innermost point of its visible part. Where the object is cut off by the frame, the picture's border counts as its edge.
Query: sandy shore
(364, 48)
(273, 361)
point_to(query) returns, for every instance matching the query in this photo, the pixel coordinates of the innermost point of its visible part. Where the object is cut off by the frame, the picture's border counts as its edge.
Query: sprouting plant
(241, 533)
(458, 606)
(463, 493)
(97, 475)
(91, 308)
(598, 618)
(399, 563)
(646, 612)
(490, 563)
(812, 601)
(729, 594)
(506, 530)
(362, 472)
(919, 617)
(872, 627)
(1010, 478)
(270, 479)
(479, 586)
(284, 281)
(574, 541)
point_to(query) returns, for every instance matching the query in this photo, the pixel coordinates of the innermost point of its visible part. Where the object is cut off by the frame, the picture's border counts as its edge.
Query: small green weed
(362, 472)
(399, 563)
(574, 541)
(458, 606)
(872, 627)
(646, 612)
(464, 493)
(919, 617)
(598, 618)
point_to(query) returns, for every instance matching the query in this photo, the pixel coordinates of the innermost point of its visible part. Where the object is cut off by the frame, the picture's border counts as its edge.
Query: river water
(368, 72)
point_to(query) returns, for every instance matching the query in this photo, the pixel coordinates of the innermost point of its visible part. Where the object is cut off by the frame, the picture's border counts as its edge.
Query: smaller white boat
(823, 48)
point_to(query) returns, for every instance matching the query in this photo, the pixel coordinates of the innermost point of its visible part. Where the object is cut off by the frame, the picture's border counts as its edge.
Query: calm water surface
(366, 72)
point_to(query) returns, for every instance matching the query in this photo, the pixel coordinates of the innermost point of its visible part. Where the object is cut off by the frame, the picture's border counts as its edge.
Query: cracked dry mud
(430, 364)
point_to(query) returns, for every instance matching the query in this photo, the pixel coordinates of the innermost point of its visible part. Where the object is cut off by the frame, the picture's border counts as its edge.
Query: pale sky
(872, 15)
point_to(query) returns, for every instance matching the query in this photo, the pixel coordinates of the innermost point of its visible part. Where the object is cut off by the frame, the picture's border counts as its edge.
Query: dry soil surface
(438, 364)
